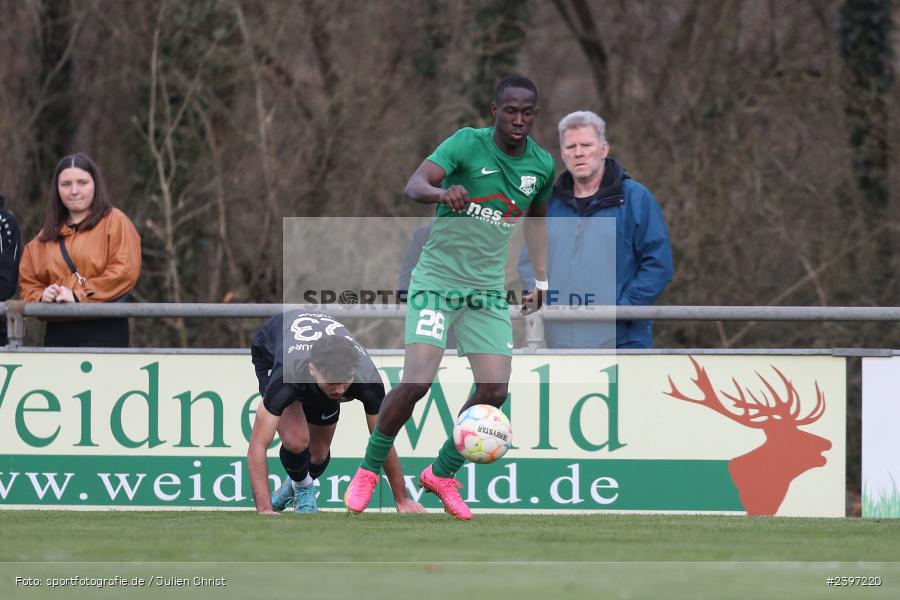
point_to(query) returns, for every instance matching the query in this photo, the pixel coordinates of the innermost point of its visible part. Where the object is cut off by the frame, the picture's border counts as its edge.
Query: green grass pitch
(337, 555)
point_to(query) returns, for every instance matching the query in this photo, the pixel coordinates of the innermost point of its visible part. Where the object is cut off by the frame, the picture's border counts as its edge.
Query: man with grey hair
(613, 248)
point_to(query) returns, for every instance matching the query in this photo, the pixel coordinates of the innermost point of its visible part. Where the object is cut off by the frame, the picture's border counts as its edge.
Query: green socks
(377, 451)
(449, 460)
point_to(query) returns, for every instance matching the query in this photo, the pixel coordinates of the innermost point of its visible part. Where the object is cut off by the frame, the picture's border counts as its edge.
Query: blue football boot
(283, 496)
(305, 499)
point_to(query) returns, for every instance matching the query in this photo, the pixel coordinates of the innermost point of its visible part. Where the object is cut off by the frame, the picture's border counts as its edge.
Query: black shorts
(321, 411)
(318, 408)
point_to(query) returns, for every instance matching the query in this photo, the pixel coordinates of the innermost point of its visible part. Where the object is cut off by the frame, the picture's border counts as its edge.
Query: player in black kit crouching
(307, 365)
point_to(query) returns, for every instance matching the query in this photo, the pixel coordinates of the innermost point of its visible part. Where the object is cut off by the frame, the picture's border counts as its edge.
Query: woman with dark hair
(86, 251)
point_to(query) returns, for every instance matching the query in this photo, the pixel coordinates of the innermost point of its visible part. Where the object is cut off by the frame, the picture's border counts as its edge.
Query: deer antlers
(753, 412)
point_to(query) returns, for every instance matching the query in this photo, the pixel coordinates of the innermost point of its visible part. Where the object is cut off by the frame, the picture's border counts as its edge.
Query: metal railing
(16, 311)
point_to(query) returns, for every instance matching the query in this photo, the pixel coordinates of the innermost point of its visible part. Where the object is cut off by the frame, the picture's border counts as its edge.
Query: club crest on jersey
(528, 183)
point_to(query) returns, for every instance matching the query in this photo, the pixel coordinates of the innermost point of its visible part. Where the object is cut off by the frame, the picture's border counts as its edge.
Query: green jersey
(469, 249)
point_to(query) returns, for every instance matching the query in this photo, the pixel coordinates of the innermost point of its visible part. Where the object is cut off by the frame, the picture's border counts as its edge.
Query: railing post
(534, 330)
(15, 323)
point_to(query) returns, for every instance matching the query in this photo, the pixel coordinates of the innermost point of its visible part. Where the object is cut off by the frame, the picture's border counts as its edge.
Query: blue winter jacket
(612, 247)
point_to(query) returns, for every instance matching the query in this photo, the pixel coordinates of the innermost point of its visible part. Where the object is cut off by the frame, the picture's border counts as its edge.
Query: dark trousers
(87, 333)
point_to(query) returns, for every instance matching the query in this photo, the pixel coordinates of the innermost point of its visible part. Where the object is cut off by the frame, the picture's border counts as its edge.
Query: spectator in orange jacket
(86, 251)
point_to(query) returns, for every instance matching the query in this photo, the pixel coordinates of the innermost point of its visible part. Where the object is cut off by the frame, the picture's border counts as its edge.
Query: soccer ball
(482, 434)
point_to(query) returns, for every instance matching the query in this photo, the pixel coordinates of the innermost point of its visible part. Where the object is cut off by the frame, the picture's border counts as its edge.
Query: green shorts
(480, 319)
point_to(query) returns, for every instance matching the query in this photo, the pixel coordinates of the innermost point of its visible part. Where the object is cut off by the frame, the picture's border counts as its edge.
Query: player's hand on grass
(268, 512)
(456, 197)
(532, 301)
(408, 505)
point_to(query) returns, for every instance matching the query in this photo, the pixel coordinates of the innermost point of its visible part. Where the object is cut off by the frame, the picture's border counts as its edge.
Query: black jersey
(280, 352)
(10, 255)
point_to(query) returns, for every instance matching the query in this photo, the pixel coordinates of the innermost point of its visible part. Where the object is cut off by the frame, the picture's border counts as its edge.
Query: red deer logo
(762, 476)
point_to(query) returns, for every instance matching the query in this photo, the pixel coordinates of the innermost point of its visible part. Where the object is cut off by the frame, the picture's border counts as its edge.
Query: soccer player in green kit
(482, 181)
